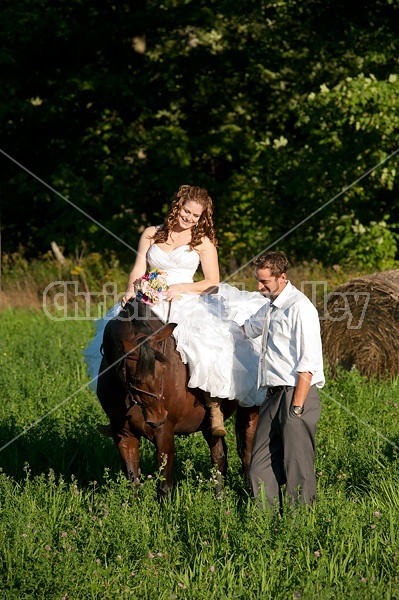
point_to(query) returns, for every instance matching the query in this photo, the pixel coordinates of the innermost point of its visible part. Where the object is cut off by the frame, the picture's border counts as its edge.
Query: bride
(222, 361)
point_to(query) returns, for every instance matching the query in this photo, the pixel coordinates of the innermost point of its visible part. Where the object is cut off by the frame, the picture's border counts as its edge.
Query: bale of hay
(360, 325)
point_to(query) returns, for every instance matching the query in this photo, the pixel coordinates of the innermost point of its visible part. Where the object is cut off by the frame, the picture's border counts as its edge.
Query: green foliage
(72, 527)
(276, 108)
(369, 248)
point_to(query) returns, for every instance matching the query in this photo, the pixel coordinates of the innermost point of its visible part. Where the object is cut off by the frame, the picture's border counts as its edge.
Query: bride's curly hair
(203, 228)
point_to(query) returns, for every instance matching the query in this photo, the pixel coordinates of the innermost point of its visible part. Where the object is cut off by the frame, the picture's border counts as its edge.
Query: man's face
(270, 286)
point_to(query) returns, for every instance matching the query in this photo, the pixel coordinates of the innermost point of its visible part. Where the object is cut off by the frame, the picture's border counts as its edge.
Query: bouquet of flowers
(151, 287)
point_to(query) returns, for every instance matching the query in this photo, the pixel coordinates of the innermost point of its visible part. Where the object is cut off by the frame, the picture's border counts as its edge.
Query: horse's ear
(165, 332)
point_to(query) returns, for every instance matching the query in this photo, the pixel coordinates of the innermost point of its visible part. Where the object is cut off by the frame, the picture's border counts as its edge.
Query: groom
(290, 371)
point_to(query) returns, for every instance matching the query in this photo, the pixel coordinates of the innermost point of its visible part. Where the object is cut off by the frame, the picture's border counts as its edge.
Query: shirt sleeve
(253, 326)
(308, 339)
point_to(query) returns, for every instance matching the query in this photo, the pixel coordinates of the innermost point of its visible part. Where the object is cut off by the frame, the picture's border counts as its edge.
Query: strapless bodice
(179, 265)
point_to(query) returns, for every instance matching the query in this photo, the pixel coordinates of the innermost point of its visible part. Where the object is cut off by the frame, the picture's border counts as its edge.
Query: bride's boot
(217, 421)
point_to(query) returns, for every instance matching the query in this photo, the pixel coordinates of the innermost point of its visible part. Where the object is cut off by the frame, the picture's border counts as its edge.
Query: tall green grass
(71, 527)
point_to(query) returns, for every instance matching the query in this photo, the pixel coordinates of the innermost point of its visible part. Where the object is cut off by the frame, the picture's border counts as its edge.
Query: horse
(142, 387)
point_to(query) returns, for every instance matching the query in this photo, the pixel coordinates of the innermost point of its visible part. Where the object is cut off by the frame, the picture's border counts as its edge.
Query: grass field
(72, 528)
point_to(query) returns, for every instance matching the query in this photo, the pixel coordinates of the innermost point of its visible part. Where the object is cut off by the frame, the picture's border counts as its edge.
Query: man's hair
(277, 262)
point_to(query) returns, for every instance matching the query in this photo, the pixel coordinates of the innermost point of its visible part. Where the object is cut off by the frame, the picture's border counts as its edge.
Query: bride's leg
(216, 414)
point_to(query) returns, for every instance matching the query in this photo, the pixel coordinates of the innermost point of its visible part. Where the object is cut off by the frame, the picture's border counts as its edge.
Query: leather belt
(276, 389)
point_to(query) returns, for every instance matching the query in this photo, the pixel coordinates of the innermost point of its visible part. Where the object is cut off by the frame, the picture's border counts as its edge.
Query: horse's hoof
(105, 429)
(218, 431)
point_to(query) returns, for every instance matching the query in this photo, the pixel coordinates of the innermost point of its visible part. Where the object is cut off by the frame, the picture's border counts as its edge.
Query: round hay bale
(360, 325)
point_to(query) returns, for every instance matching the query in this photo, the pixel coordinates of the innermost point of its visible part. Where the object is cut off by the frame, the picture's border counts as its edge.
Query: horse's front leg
(246, 424)
(165, 444)
(129, 450)
(218, 448)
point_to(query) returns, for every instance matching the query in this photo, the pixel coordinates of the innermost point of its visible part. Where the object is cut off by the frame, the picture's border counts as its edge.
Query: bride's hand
(173, 292)
(129, 294)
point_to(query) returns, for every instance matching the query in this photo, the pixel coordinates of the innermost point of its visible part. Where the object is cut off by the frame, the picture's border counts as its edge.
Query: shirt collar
(282, 297)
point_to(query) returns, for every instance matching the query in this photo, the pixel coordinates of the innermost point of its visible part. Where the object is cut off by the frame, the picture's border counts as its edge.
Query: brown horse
(142, 387)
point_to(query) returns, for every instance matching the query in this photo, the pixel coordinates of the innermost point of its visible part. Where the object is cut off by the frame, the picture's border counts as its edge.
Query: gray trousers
(284, 447)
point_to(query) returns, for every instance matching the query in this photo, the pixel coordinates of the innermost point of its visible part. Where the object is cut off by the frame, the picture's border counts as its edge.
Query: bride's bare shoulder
(150, 231)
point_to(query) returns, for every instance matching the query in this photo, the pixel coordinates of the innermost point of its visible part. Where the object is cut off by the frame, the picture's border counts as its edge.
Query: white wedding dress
(209, 338)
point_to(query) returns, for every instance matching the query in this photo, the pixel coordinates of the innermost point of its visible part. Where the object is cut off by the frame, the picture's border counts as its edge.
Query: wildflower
(76, 492)
(98, 561)
(64, 534)
(363, 580)
(159, 553)
(119, 557)
(149, 476)
(150, 555)
(372, 526)
(227, 512)
(73, 531)
(319, 473)
(24, 535)
(376, 514)
(316, 553)
(212, 569)
(182, 586)
(47, 547)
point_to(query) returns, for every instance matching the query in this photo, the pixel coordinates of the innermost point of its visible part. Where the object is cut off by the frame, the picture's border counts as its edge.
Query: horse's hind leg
(128, 446)
(246, 424)
(218, 448)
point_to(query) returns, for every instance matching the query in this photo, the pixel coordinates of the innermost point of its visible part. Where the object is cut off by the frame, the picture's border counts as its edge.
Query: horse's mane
(142, 320)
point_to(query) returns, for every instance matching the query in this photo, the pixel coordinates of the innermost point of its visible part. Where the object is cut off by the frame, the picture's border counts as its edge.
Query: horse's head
(144, 368)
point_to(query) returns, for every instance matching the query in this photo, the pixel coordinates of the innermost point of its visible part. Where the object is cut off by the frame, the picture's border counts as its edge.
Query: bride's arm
(140, 264)
(210, 268)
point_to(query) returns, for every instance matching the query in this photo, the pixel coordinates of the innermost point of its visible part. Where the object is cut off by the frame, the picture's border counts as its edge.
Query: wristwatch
(297, 410)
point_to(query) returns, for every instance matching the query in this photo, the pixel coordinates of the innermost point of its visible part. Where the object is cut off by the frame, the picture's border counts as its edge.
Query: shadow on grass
(75, 449)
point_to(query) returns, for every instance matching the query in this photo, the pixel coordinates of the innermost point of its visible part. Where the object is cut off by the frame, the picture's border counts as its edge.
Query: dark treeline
(275, 107)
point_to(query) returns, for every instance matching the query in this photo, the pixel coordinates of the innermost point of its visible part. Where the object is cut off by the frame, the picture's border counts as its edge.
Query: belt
(276, 389)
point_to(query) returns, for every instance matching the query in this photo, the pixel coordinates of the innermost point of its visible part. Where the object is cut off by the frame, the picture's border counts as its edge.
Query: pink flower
(376, 514)
(150, 555)
(316, 553)
(119, 557)
(182, 586)
(212, 569)
(363, 580)
(24, 535)
(47, 547)
(64, 534)
(159, 553)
